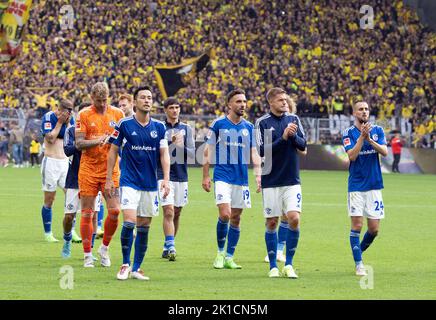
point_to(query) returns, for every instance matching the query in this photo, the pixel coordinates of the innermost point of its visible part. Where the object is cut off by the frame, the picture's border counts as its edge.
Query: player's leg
(271, 245)
(46, 213)
(141, 244)
(371, 233)
(374, 211)
(233, 238)
(180, 200)
(110, 226)
(74, 236)
(168, 221)
(72, 205)
(222, 200)
(147, 209)
(282, 233)
(356, 207)
(129, 223)
(86, 228)
(292, 204)
(169, 232)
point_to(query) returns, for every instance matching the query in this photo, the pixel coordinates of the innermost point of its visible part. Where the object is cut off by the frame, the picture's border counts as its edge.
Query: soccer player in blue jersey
(54, 165)
(144, 145)
(363, 143)
(230, 144)
(181, 146)
(279, 136)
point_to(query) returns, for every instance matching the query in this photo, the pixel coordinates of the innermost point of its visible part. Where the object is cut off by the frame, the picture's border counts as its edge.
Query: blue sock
(46, 218)
(100, 216)
(127, 240)
(68, 236)
(93, 239)
(141, 242)
(271, 247)
(169, 242)
(283, 231)
(368, 238)
(291, 244)
(355, 246)
(222, 229)
(233, 236)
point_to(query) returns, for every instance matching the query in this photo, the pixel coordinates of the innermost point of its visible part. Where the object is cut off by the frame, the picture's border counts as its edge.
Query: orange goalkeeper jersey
(94, 125)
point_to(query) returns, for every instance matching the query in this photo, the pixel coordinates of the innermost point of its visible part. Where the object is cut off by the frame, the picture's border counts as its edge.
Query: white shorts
(54, 173)
(237, 196)
(178, 196)
(280, 200)
(145, 203)
(72, 201)
(366, 204)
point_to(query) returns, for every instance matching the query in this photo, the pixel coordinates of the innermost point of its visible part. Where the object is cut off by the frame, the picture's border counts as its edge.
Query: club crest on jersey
(153, 134)
(375, 137)
(183, 131)
(112, 124)
(47, 126)
(347, 142)
(245, 132)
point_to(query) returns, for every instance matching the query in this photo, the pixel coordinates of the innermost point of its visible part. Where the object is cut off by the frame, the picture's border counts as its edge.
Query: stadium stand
(312, 49)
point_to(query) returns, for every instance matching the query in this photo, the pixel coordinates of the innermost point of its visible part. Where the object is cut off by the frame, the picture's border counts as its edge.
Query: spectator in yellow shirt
(35, 148)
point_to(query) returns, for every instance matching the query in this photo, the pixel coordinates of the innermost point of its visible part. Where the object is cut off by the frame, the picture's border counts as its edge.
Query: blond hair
(126, 96)
(292, 105)
(100, 90)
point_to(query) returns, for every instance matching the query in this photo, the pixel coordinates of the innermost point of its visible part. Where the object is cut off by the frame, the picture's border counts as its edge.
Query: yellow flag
(14, 15)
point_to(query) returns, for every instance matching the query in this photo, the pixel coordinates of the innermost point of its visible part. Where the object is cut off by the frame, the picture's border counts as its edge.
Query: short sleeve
(117, 135)
(347, 141)
(81, 124)
(163, 142)
(48, 124)
(212, 134)
(381, 136)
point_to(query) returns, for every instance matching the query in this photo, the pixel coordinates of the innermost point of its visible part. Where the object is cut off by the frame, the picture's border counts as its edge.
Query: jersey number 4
(379, 205)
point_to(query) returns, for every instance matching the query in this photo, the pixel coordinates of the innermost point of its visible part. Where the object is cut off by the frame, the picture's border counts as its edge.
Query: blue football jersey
(233, 143)
(281, 163)
(70, 150)
(365, 172)
(49, 121)
(141, 151)
(179, 156)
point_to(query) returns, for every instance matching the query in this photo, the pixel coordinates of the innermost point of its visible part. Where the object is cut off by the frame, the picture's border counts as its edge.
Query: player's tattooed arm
(109, 188)
(206, 183)
(255, 158)
(82, 143)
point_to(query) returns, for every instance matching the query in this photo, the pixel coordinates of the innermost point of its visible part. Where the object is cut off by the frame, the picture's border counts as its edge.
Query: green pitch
(402, 257)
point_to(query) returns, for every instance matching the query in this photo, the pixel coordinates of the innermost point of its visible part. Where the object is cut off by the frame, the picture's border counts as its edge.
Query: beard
(363, 121)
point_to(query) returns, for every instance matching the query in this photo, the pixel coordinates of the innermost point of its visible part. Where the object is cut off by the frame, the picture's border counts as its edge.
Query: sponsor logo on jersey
(153, 134)
(47, 126)
(143, 148)
(347, 142)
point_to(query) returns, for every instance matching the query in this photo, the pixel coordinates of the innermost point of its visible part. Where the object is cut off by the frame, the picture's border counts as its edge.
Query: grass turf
(402, 256)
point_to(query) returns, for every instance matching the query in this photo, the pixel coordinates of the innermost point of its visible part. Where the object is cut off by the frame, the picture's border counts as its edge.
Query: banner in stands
(171, 79)
(14, 15)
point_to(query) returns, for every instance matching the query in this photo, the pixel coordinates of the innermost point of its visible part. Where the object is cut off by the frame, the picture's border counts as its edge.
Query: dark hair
(273, 92)
(233, 93)
(135, 93)
(170, 101)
